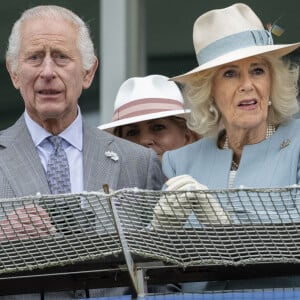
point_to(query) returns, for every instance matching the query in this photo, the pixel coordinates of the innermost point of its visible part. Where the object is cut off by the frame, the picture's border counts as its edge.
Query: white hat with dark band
(146, 98)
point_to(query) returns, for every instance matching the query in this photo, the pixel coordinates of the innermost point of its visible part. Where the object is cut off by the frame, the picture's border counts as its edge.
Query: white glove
(173, 210)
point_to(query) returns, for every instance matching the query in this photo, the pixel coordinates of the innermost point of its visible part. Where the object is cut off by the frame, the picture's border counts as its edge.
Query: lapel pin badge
(112, 155)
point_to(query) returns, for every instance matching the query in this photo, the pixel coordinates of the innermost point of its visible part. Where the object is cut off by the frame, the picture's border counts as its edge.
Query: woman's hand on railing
(174, 209)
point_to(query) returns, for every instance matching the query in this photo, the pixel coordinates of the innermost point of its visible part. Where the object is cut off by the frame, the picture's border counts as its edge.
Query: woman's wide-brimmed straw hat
(224, 35)
(146, 98)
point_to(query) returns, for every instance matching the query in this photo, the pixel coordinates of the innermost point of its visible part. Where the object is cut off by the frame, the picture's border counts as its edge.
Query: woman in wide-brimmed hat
(242, 97)
(243, 86)
(149, 111)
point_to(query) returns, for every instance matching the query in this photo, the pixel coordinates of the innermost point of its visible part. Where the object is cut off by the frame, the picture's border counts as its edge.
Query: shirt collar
(72, 134)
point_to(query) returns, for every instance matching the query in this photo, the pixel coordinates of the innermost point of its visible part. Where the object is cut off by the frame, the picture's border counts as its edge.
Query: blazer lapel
(98, 169)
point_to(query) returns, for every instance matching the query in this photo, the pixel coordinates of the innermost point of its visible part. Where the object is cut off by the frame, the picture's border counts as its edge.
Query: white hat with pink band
(146, 98)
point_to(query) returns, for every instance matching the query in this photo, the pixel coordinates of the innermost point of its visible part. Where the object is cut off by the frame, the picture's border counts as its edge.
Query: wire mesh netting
(228, 227)
(45, 231)
(192, 228)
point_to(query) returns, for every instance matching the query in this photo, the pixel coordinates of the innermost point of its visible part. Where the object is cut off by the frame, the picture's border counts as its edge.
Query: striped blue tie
(58, 173)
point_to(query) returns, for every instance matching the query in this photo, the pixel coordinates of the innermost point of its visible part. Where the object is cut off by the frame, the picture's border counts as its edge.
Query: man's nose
(48, 68)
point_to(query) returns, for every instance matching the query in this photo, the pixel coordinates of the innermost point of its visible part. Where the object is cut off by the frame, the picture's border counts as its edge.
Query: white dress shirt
(72, 144)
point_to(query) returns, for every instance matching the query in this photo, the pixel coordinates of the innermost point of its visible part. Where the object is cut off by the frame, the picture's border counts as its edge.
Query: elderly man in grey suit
(51, 59)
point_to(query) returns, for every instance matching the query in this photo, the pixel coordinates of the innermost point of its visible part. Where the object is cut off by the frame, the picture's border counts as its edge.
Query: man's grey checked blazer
(22, 174)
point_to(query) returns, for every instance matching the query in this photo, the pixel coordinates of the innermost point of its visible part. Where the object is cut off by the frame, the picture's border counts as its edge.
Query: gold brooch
(285, 143)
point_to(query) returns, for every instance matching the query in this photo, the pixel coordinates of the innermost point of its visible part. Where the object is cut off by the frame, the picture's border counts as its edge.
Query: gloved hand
(173, 210)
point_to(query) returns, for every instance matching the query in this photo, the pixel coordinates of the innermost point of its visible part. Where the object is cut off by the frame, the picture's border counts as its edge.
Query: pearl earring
(269, 103)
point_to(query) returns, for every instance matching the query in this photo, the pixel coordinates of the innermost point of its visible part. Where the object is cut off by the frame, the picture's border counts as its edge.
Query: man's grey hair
(85, 43)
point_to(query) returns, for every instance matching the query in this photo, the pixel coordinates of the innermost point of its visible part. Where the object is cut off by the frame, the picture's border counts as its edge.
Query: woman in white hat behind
(149, 111)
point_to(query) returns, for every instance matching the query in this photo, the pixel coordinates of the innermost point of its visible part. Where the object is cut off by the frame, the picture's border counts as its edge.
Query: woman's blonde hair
(205, 118)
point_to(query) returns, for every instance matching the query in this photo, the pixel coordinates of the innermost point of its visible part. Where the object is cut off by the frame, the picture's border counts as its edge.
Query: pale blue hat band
(234, 42)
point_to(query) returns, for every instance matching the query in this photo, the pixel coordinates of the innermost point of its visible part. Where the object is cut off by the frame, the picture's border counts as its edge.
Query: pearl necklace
(234, 165)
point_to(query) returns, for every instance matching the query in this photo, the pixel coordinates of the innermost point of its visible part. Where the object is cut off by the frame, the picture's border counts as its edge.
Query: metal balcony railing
(139, 237)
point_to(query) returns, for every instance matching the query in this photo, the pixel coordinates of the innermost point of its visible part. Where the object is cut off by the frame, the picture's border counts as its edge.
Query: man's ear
(13, 75)
(89, 75)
